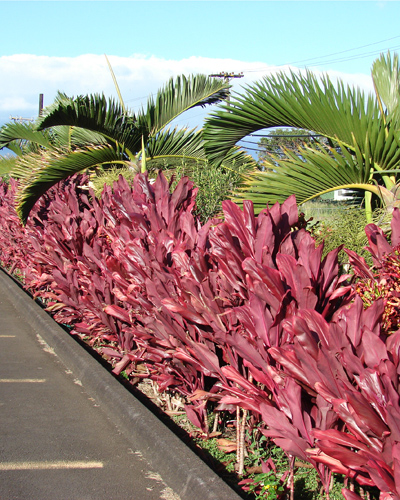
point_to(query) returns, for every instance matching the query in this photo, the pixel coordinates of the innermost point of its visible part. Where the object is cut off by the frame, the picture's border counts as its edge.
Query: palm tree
(112, 135)
(362, 147)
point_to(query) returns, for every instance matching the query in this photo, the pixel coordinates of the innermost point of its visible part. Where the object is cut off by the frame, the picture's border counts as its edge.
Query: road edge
(181, 469)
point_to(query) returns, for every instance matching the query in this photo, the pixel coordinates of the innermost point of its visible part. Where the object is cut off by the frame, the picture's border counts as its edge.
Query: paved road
(56, 443)
(69, 430)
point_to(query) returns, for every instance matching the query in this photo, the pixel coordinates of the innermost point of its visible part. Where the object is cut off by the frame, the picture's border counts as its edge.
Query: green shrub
(338, 224)
(215, 183)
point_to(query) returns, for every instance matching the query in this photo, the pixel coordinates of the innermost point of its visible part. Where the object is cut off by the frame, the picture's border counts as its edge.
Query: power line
(343, 51)
(322, 61)
(139, 98)
(352, 58)
(251, 149)
(248, 142)
(286, 135)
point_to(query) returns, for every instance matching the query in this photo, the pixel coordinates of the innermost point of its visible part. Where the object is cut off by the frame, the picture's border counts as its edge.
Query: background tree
(279, 140)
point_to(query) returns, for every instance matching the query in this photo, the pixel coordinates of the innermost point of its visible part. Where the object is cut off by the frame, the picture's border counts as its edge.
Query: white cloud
(25, 76)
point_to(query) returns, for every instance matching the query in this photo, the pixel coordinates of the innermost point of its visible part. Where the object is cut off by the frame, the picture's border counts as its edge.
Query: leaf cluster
(383, 280)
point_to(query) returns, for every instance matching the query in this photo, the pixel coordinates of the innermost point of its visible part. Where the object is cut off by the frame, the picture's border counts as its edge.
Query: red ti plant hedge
(220, 306)
(243, 312)
(14, 246)
(276, 271)
(153, 238)
(61, 253)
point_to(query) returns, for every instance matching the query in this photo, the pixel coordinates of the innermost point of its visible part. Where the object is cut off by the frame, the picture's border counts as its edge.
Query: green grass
(259, 449)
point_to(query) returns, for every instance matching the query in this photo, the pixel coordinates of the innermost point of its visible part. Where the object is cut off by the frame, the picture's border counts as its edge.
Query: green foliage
(386, 76)
(307, 486)
(337, 224)
(215, 185)
(211, 446)
(265, 486)
(109, 176)
(281, 139)
(7, 164)
(257, 449)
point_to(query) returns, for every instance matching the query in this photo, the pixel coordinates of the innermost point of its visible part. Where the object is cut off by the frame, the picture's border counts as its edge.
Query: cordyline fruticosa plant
(80, 252)
(353, 366)
(13, 241)
(220, 312)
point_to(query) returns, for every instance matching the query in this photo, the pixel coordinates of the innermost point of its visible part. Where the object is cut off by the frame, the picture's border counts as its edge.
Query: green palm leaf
(310, 172)
(366, 142)
(75, 137)
(176, 144)
(7, 164)
(298, 101)
(177, 97)
(386, 76)
(17, 136)
(38, 173)
(97, 114)
(188, 145)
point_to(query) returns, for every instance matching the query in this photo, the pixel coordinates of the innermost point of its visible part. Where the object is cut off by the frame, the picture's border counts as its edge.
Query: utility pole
(40, 104)
(227, 77)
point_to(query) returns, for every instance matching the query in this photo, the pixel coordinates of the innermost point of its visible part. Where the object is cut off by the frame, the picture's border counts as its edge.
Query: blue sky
(275, 32)
(55, 45)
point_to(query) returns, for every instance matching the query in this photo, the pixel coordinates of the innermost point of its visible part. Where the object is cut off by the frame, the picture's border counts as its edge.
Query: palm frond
(16, 136)
(308, 173)
(97, 114)
(188, 146)
(38, 173)
(337, 112)
(177, 97)
(386, 76)
(7, 164)
(116, 84)
(174, 144)
(75, 137)
(236, 157)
